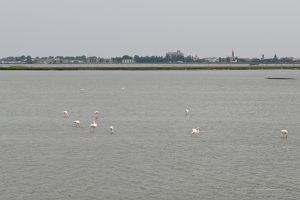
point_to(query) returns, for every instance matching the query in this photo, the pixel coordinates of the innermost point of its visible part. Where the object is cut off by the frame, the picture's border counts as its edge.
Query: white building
(127, 61)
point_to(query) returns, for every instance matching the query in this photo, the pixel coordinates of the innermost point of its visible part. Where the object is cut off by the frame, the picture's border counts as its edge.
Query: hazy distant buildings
(127, 61)
(296, 59)
(233, 59)
(174, 54)
(170, 57)
(211, 60)
(92, 59)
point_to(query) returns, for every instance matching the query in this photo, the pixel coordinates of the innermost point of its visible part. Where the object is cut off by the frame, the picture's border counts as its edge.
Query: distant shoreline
(150, 68)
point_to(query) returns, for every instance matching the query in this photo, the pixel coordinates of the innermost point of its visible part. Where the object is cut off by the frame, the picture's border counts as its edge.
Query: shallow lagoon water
(152, 155)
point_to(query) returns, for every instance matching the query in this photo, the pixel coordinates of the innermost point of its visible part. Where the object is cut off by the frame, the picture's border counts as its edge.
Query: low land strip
(144, 68)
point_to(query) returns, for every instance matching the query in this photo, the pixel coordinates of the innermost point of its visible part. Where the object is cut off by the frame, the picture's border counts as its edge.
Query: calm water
(152, 155)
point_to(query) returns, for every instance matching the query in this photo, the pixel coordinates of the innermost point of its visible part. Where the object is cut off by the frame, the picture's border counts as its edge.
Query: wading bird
(76, 123)
(111, 129)
(195, 131)
(97, 114)
(93, 125)
(187, 111)
(66, 114)
(284, 134)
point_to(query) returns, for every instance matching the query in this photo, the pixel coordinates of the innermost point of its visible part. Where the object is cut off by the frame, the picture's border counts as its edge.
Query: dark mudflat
(281, 78)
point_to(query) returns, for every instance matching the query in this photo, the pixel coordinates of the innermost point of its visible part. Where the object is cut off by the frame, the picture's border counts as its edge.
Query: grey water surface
(238, 155)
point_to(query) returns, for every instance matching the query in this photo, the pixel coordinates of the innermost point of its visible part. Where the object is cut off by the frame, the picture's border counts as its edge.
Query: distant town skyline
(205, 28)
(170, 57)
(175, 53)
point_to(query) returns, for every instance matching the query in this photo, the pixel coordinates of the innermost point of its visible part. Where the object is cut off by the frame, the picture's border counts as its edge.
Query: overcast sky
(150, 27)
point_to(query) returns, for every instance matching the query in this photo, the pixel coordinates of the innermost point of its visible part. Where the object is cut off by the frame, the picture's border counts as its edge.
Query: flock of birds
(195, 131)
(93, 124)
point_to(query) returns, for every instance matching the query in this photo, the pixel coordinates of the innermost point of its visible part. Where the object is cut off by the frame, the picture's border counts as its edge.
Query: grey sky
(149, 27)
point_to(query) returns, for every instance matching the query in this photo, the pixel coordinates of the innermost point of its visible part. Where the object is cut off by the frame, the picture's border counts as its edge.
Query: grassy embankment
(72, 68)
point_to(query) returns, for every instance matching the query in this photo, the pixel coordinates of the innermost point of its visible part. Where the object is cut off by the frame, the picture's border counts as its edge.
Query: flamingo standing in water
(187, 111)
(111, 128)
(93, 125)
(97, 114)
(284, 134)
(76, 123)
(66, 114)
(195, 131)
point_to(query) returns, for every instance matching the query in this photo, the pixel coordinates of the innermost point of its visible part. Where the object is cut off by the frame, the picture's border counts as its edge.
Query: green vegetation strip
(139, 68)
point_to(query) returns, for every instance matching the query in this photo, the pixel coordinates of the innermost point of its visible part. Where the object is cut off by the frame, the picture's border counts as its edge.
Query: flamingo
(66, 114)
(97, 114)
(187, 111)
(93, 125)
(195, 131)
(284, 134)
(111, 128)
(76, 123)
